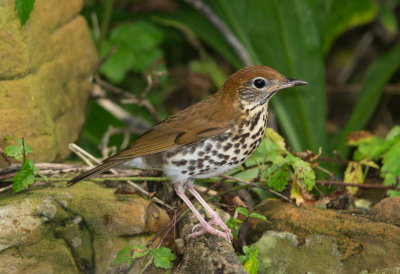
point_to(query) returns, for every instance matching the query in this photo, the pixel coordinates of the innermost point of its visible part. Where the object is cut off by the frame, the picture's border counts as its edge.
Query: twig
(136, 124)
(223, 29)
(339, 183)
(107, 151)
(130, 98)
(81, 154)
(135, 186)
(255, 185)
(5, 157)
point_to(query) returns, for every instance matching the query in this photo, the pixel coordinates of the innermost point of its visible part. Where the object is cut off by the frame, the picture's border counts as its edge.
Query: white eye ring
(259, 83)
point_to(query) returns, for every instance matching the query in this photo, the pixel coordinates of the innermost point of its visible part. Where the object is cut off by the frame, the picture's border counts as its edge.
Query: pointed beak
(290, 82)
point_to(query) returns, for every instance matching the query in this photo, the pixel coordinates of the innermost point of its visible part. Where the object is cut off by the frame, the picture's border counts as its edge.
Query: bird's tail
(102, 167)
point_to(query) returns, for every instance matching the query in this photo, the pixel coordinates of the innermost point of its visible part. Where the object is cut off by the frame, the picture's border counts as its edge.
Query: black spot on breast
(237, 145)
(208, 147)
(255, 121)
(244, 146)
(206, 157)
(227, 146)
(192, 168)
(234, 158)
(237, 151)
(179, 163)
(200, 153)
(184, 171)
(214, 152)
(192, 162)
(221, 156)
(236, 137)
(191, 173)
(193, 148)
(223, 162)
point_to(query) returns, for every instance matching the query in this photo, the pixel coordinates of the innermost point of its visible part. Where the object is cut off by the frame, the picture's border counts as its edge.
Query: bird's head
(255, 85)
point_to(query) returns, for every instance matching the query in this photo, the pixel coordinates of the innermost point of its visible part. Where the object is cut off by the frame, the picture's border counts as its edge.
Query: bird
(207, 139)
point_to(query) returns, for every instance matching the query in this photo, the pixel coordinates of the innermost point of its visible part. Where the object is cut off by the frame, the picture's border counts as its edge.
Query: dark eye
(259, 83)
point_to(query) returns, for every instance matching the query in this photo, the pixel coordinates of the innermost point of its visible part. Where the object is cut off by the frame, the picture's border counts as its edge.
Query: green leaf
(334, 17)
(374, 79)
(388, 19)
(25, 176)
(16, 151)
(162, 257)
(277, 177)
(137, 49)
(303, 172)
(391, 167)
(24, 9)
(251, 266)
(123, 256)
(242, 210)
(258, 216)
(393, 133)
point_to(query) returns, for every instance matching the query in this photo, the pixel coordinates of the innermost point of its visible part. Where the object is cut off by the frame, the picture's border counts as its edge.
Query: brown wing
(205, 119)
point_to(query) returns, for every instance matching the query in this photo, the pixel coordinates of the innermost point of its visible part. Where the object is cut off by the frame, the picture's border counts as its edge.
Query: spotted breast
(213, 156)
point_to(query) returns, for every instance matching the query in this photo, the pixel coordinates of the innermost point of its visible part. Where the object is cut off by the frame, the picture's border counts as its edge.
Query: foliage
(161, 256)
(234, 223)
(277, 166)
(24, 9)
(26, 175)
(249, 259)
(137, 49)
(370, 149)
(294, 37)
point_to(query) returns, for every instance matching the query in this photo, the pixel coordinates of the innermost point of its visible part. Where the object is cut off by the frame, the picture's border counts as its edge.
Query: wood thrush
(207, 139)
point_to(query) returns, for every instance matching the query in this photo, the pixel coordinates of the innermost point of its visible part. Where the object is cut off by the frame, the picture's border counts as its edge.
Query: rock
(66, 230)
(206, 253)
(281, 252)
(44, 76)
(387, 210)
(360, 242)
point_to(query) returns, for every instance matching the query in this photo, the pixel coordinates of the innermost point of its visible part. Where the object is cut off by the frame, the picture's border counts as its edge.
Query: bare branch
(223, 29)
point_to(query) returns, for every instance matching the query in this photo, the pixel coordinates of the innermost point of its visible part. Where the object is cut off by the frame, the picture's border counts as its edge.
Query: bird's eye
(259, 83)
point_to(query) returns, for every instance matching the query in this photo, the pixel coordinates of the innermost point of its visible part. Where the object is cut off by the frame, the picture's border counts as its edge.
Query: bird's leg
(206, 226)
(216, 220)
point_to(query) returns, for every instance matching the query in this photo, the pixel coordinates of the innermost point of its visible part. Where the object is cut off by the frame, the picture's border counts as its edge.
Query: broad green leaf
(123, 256)
(119, 64)
(374, 79)
(242, 211)
(258, 216)
(393, 133)
(388, 19)
(24, 9)
(354, 175)
(25, 176)
(17, 151)
(251, 266)
(277, 177)
(334, 17)
(391, 167)
(137, 49)
(304, 173)
(162, 257)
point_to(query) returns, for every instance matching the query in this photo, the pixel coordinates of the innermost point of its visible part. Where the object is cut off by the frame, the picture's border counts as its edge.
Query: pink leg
(206, 226)
(216, 220)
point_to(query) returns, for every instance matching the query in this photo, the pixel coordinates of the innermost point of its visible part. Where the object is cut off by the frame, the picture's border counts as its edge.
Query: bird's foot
(225, 234)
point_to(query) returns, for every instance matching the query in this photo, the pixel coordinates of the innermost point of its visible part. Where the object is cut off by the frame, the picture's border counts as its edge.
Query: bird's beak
(290, 82)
